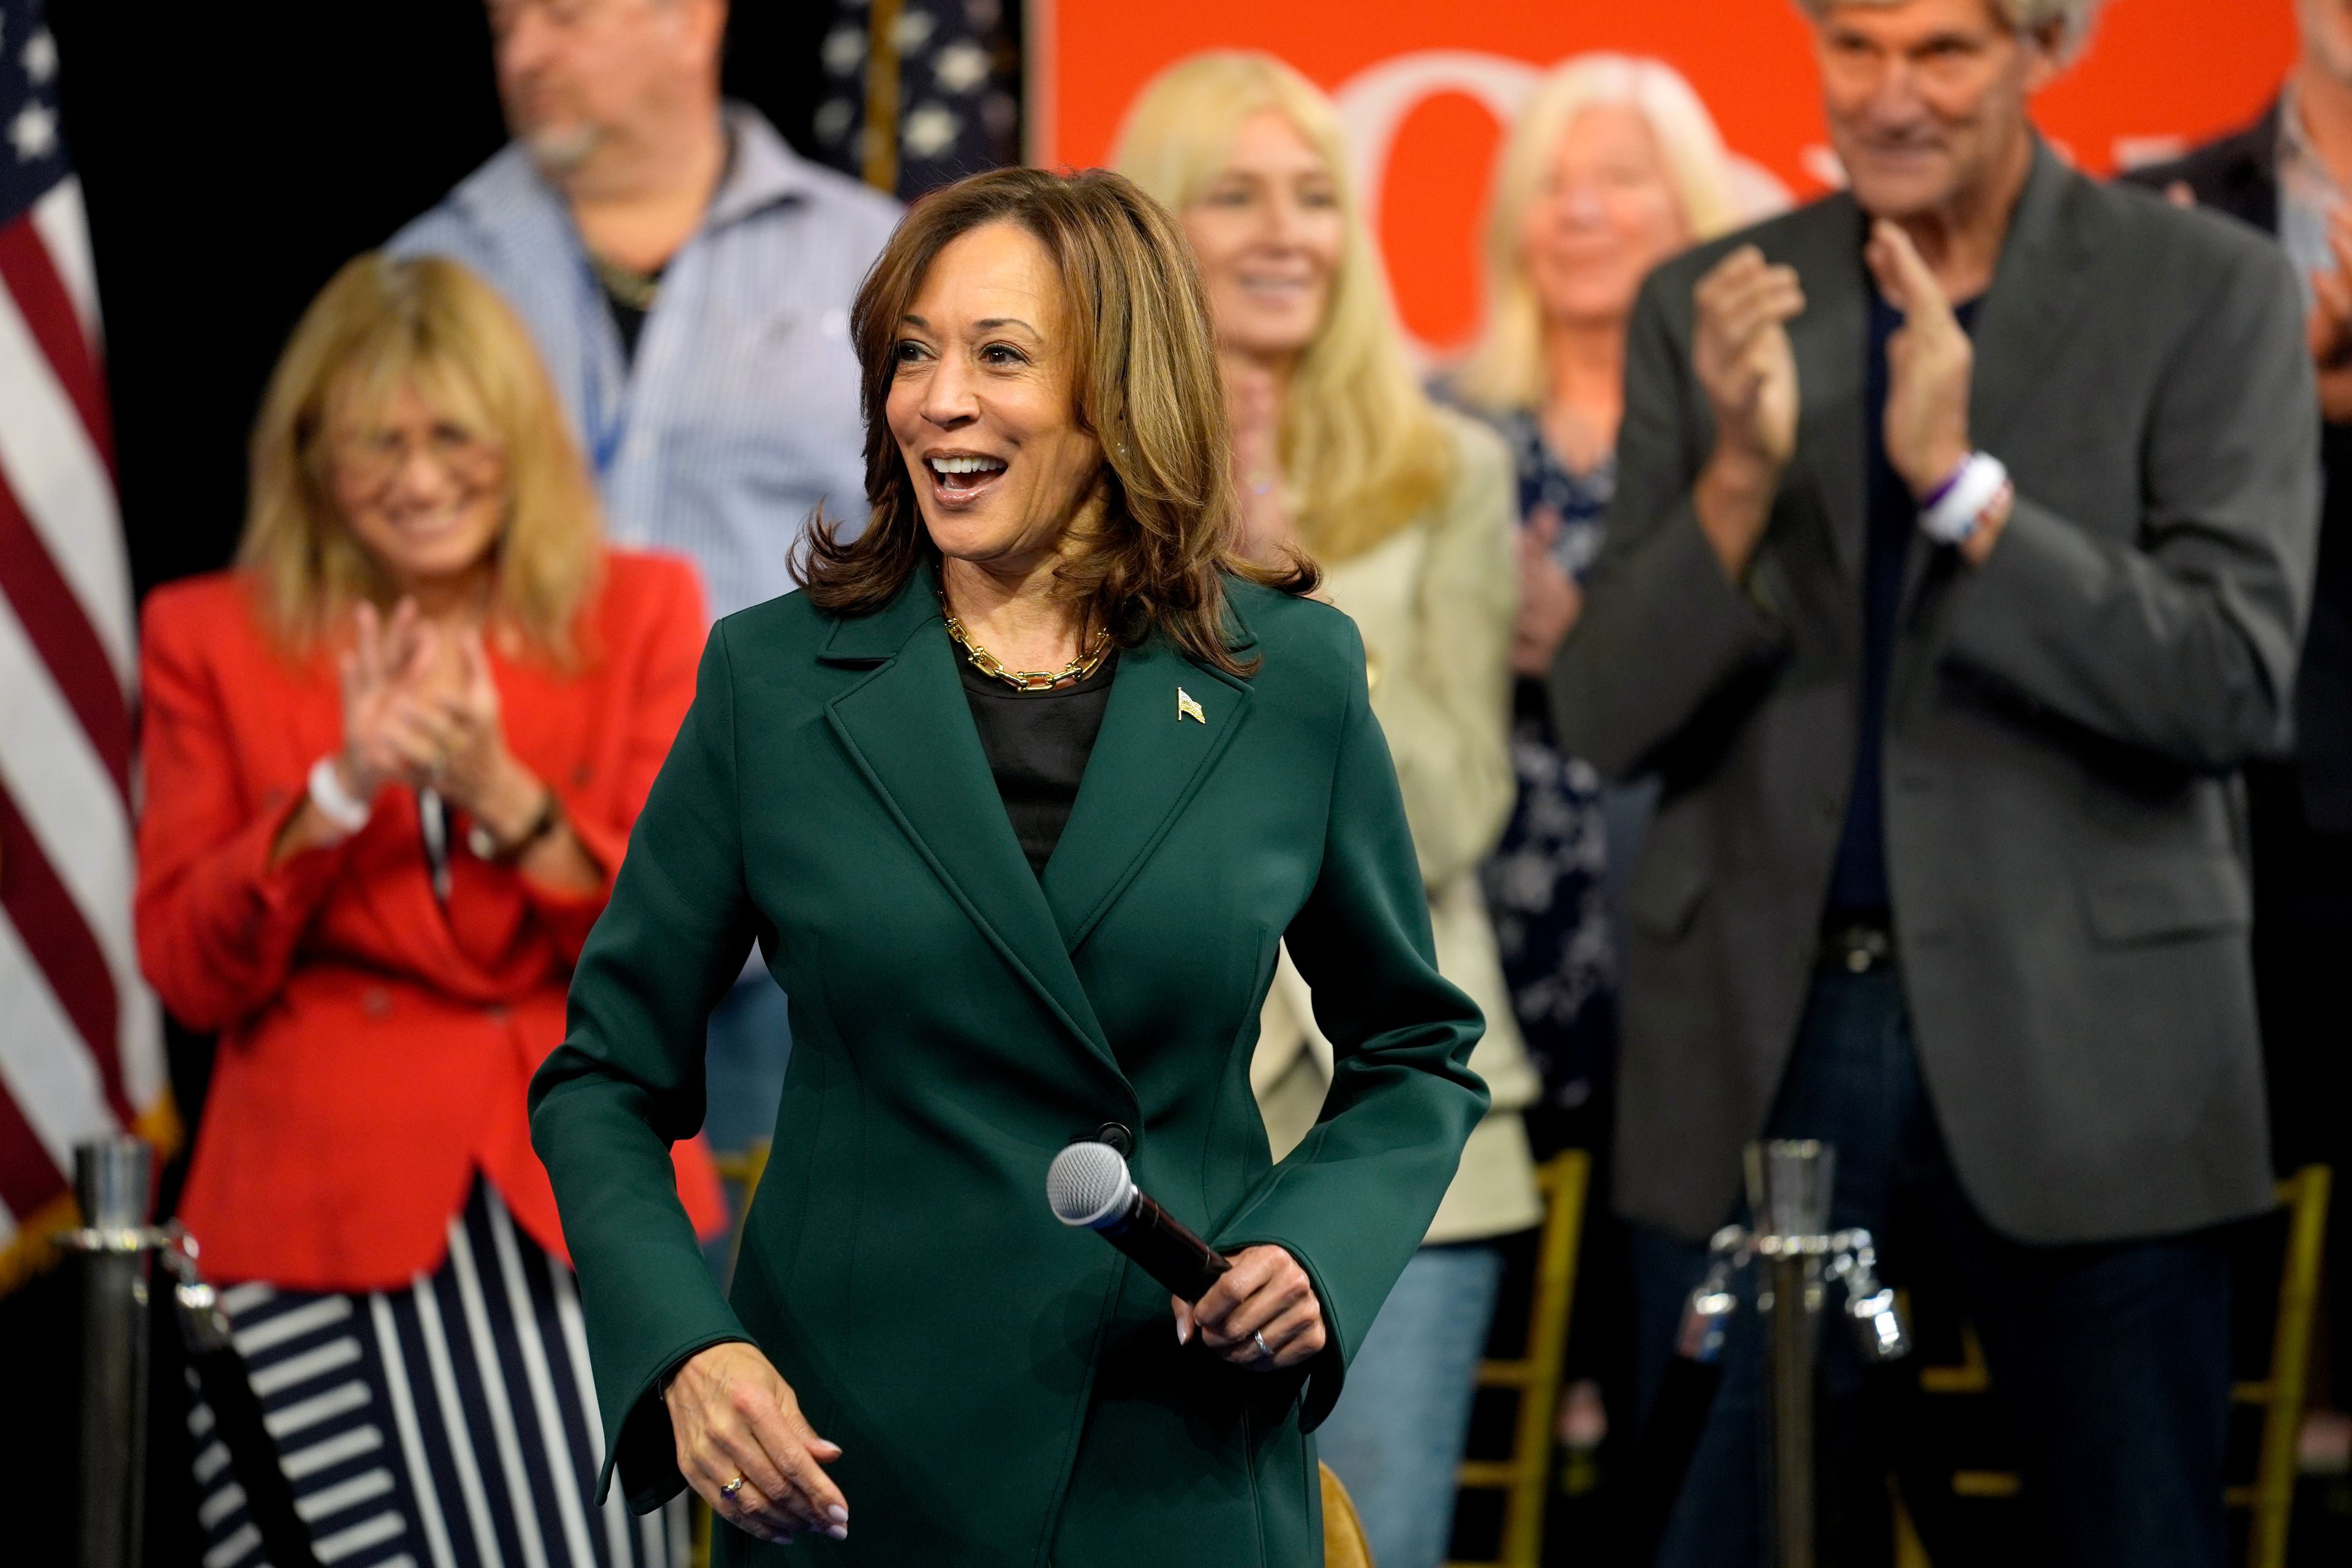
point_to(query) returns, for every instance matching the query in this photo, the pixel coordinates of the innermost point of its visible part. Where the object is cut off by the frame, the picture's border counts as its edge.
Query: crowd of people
(1842, 674)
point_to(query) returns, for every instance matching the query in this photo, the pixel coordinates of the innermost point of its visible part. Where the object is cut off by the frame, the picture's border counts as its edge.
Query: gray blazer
(2063, 825)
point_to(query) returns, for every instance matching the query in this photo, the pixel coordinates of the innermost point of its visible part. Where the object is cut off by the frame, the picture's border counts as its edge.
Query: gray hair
(2071, 19)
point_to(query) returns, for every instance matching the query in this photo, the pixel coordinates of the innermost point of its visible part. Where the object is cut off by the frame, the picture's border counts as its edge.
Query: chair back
(1963, 1501)
(1524, 1477)
(1344, 1545)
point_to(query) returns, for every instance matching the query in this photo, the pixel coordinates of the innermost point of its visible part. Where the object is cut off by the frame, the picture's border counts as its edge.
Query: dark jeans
(2112, 1360)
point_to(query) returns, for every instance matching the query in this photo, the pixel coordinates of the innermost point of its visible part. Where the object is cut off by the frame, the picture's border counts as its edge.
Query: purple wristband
(1927, 503)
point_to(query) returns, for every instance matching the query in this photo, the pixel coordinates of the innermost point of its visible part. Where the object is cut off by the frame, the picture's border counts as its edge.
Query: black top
(1037, 745)
(1858, 884)
(627, 319)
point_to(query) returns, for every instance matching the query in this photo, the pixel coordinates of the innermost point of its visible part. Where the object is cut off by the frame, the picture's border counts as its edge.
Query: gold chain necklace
(987, 663)
(635, 289)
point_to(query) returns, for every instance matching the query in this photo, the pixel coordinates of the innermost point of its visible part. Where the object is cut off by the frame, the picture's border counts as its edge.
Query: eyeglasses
(374, 458)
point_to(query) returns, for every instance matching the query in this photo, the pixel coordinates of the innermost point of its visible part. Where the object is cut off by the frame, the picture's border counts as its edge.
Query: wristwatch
(486, 846)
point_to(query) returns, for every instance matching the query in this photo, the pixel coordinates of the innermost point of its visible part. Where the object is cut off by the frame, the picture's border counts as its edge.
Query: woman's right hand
(733, 1415)
(389, 731)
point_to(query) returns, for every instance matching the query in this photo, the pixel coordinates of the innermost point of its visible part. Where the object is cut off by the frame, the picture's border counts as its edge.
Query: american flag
(946, 73)
(80, 1041)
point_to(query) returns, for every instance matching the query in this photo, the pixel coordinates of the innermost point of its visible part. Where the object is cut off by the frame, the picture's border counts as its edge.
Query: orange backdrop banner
(1423, 89)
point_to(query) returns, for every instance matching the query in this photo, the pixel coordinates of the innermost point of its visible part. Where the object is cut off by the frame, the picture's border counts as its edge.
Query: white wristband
(1962, 505)
(348, 813)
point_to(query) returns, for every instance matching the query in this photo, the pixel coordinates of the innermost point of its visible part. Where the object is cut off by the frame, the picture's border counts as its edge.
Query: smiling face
(422, 490)
(1926, 99)
(981, 403)
(1606, 215)
(1269, 233)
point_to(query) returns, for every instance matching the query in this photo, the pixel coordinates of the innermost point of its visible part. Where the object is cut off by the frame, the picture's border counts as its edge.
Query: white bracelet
(1965, 500)
(344, 810)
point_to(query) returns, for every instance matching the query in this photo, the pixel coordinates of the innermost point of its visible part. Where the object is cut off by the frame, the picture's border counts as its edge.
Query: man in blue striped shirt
(688, 281)
(686, 277)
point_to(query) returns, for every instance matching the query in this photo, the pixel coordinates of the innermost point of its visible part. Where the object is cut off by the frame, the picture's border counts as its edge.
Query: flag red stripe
(30, 276)
(50, 925)
(62, 635)
(30, 1179)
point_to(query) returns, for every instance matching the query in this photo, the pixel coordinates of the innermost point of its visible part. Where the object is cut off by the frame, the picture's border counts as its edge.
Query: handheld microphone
(1089, 1186)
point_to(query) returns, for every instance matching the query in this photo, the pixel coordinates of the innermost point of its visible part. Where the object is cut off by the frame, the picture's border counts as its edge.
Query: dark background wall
(232, 157)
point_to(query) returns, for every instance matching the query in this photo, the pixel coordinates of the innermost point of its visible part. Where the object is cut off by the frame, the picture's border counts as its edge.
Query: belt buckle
(1859, 948)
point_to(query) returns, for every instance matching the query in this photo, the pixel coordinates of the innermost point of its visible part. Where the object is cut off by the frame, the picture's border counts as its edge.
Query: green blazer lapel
(908, 727)
(1167, 722)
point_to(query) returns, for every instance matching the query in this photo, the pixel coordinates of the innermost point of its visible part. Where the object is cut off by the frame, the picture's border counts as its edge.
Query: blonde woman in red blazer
(391, 762)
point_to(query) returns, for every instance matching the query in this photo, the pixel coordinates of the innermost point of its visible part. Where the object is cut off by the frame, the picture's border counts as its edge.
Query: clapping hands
(2329, 325)
(389, 733)
(1931, 364)
(1743, 360)
(421, 708)
(1746, 366)
(1931, 372)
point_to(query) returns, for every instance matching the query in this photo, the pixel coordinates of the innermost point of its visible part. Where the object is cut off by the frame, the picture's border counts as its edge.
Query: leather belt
(1857, 944)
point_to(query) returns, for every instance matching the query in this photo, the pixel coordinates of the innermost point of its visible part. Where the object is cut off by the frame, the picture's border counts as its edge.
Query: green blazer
(1005, 1390)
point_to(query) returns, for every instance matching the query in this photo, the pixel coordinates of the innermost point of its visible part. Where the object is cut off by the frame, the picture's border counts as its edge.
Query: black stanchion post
(111, 1179)
(1788, 1185)
(1788, 1190)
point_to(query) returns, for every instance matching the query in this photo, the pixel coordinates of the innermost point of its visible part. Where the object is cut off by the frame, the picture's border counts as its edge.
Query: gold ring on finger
(730, 1488)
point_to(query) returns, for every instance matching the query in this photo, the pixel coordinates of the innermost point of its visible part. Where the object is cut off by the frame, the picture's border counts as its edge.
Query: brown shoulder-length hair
(428, 323)
(1146, 387)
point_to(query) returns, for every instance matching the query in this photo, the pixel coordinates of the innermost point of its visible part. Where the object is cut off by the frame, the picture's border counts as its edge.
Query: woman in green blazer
(1018, 798)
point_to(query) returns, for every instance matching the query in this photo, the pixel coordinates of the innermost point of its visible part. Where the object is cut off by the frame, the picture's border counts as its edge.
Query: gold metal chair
(1524, 1478)
(744, 1168)
(2278, 1395)
(1344, 1545)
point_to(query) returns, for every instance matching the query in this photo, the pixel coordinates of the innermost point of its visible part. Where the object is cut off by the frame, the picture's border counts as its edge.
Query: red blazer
(375, 1047)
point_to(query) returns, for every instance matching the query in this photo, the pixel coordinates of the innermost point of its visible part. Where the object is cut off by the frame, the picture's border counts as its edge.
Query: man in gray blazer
(1963, 535)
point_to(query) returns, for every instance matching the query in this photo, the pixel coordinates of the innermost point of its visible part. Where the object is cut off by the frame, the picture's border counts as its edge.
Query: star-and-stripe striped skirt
(450, 1424)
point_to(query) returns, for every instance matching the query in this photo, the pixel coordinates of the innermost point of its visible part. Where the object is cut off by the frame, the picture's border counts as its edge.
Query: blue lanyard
(605, 434)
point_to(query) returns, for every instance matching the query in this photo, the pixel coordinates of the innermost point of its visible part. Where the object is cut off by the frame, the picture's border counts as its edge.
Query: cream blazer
(1436, 601)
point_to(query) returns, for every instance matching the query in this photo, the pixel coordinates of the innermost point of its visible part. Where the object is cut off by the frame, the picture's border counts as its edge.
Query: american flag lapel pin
(1188, 708)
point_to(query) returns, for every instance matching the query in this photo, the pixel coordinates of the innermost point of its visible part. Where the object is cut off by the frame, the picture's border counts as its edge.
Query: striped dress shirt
(739, 415)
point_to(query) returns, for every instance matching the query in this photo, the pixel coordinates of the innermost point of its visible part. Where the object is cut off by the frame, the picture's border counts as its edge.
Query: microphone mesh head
(1087, 1184)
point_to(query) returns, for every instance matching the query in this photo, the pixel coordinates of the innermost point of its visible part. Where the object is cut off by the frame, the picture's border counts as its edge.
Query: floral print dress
(1547, 884)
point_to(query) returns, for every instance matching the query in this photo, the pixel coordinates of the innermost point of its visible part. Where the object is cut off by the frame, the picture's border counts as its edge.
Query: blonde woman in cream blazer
(1434, 602)
(1339, 453)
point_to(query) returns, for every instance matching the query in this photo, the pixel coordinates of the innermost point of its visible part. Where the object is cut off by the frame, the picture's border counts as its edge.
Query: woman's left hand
(1264, 1299)
(1550, 602)
(478, 775)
